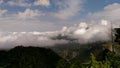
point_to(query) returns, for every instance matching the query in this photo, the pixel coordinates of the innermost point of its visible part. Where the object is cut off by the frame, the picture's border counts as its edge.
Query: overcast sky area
(35, 22)
(50, 15)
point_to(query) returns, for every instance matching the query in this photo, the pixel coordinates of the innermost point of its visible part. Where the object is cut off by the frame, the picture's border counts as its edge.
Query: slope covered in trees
(28, 57)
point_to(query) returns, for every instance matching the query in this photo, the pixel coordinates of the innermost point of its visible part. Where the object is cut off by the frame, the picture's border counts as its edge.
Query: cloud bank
(82, 33)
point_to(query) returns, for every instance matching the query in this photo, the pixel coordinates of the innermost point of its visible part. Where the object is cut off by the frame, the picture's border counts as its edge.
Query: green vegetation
(62, 64)
(28, 57)
(36, 57)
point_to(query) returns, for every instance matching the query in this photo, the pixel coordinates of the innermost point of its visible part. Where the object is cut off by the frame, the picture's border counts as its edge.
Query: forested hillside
(28, 57)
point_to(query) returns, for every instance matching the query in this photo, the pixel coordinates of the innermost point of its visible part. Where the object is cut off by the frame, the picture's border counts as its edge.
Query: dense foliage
(36, 57)
(28, 57)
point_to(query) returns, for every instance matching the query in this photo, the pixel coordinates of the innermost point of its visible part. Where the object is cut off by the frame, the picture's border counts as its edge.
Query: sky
(51, 15)
(35, 22)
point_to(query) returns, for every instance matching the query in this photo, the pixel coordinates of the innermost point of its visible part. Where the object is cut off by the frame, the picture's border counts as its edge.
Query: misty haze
(59, 34)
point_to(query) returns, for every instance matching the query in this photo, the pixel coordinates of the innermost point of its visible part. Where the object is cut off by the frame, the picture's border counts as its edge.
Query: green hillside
(28, 57)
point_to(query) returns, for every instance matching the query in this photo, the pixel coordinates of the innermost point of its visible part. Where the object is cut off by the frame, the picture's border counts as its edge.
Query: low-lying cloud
(82, 33)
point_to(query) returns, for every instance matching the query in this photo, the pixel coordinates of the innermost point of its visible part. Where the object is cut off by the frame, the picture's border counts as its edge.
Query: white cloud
(27, 3)
(1, 2)
(3, 12)
(65, 8)
(112, 6)
(93, 33)
(42, 3)
(83, 25)
(12, 39)
(22, 3)
(104, 22)
(69, 8)
(28, 13)
(110, 12)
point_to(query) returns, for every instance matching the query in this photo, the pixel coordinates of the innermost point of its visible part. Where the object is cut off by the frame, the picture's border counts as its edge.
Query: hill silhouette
(28, 57)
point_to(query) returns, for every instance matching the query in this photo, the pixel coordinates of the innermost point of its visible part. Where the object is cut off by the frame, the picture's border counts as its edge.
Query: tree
(94, 63)
(106, 64)
(76, 64)
(63, 64)
(28, 57)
